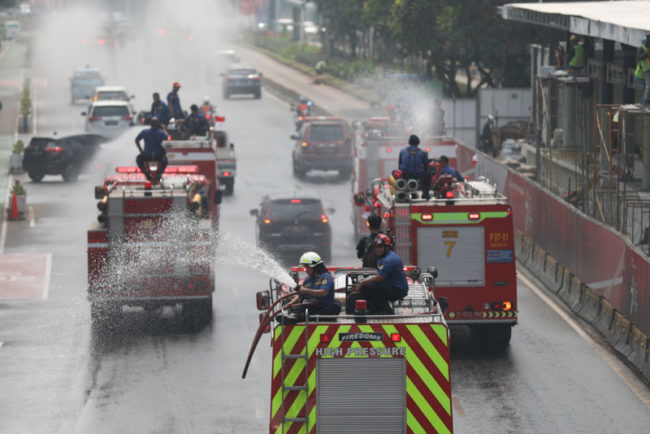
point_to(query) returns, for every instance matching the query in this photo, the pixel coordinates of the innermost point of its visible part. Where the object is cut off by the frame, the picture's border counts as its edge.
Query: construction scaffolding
(595, 156)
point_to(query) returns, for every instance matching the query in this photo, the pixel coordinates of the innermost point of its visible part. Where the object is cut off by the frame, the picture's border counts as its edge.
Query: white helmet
(310, 259)
(490, 118)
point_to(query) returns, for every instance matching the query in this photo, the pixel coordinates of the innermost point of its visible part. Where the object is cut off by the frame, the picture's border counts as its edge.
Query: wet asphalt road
(152, 375)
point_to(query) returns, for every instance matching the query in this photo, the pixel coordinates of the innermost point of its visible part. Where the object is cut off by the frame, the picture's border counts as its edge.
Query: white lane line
(48, 272)
(1, 344)
(608, 358)
(30, 213)
(5, 217)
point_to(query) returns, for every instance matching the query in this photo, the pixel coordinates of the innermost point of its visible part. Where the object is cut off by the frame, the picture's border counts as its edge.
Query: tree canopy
(465, 44)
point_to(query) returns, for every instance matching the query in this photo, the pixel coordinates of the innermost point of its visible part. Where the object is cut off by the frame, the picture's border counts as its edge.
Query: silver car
(241, 80)
(108, 118)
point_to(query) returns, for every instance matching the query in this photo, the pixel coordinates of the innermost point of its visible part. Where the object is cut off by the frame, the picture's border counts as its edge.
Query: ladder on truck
(301, 388)
(402, 231)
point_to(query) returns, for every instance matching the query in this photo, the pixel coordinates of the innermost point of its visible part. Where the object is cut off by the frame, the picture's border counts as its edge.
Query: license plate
(297, 229)
(110, 123)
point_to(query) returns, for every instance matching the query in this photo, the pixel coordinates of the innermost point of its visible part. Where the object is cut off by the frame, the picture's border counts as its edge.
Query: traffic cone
(14, 208)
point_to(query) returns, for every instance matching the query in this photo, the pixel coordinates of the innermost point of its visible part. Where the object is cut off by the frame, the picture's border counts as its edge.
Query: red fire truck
(151, 246)
(353, 373)
(202, 152)
(378, 154)
(466, 231)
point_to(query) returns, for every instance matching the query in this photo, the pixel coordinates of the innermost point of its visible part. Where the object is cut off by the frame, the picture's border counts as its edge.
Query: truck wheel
(197, 313)
(104, 314)
(230, 187)
(36, 176)
(258, 94)
(298, 172)
(492, 337)
(70, 174)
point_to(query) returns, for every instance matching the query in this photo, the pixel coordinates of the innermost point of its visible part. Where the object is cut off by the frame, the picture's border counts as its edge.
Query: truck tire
(197, 313)
(298, 171)
(494, 337)
(35, 175)
(70, 174)
(103, 314)
(230, 186)
(258, 94)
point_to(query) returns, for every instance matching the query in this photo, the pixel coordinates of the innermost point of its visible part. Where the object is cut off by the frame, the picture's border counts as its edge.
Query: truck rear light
(449, 194)
(303, 144)
(496, 305)
(324, 218)
(395, 337)
(360, 305)
(230, 79)
(54, 150)
(267, 221)
(389, 149)
(427, 149)
(474, 216)
(256, 79)
(427, 217)
(506, 305)
(325, 338)
(226, 173)
(94, 118)
(295, 201)
(127, 118)
(207, 116)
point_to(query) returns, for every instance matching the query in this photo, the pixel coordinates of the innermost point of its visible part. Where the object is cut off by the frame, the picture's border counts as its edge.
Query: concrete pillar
(607, 89)
(569, 116)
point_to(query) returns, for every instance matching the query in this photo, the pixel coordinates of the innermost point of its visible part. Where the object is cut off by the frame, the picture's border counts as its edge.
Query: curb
(618, 331)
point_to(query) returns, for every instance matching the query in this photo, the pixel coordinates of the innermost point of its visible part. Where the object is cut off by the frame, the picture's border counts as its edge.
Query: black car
(241, 80)
(66, 156)
(290, 226)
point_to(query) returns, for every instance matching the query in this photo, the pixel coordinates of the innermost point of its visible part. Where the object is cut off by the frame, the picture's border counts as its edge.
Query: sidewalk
(12, 64)
(294, 83)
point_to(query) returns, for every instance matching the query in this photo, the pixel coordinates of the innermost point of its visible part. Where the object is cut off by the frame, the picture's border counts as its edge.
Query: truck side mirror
(443, 302)
(99, 192)
(263, 299)
(217, 197)
(254, 212)
(293, 137)
(359, 198)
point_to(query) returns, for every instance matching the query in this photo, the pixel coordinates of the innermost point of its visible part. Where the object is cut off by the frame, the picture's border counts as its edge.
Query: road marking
(1, 344)
(608, 358)
(30, 213)
(458, 407)
(48, 273)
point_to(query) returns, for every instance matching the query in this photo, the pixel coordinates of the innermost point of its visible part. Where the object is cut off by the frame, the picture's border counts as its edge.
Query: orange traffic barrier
(14, 208)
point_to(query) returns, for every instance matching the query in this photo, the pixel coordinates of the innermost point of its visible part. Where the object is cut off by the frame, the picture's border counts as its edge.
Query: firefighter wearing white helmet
(316, 292)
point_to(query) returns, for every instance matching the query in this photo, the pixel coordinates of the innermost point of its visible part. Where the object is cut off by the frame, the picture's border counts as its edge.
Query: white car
(112, 93)
(108, 118)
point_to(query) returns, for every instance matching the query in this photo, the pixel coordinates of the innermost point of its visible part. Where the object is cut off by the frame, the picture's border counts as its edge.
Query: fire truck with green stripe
(465, 230)
(348, 372)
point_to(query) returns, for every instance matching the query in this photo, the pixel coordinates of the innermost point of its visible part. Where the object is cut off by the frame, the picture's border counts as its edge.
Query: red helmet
(397, 174)
(383, 240)
(176, 84)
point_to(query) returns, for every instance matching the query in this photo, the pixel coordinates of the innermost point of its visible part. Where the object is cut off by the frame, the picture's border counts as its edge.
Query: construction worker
(159, 109)
(365, 248)
(576, 55)
(487, 140)
(448, 170)
(413, 162)
(316, 292)
(641, 68)
(174, 102)
(388, 285)
(153, 150)
(195, 123)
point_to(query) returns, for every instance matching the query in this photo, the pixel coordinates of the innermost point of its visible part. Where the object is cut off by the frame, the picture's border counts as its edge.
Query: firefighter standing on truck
(153, 150)
(316, 291)
(388, 285)
(174, 102)
(366, 246)
(414, 163)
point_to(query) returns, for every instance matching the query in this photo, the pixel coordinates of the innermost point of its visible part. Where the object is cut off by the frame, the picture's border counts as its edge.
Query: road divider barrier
(619, 332)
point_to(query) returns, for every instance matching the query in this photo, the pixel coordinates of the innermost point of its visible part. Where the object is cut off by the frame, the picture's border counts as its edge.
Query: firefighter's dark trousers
(377, 294)
(143, 158)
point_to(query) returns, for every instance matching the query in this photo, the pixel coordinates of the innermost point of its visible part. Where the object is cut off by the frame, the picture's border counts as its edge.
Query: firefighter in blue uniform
(316, 291)
(448, 170)
(388, 285)
(414, 164)
(195, 123)
(153, 150)
(174, 102)
(159, 110)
